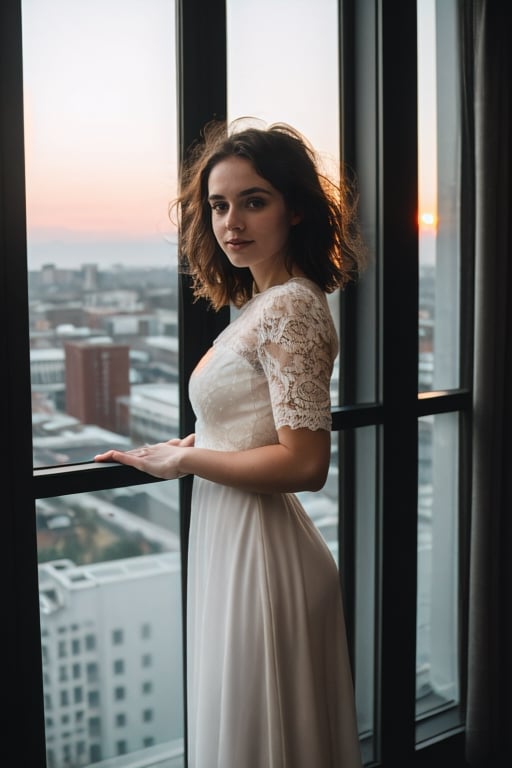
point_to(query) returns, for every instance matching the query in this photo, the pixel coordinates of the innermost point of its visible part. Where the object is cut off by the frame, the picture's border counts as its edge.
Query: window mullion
(202, 97)
(23, 650)
(398, 245)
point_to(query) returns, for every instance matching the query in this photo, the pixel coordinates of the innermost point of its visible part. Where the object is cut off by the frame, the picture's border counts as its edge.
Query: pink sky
(99, 115)
(100, 104)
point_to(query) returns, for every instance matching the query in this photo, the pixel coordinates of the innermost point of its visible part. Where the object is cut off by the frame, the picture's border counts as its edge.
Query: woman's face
(250, 220)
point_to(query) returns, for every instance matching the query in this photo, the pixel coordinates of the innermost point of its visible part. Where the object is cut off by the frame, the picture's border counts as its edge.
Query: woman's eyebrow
(253, 191)
(243, 193)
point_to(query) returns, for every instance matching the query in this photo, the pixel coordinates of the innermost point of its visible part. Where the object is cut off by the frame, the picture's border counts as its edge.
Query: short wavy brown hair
(325, 244)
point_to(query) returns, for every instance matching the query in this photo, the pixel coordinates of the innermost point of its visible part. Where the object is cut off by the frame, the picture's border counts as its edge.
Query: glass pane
(366, 630)
(323, 510)
(101, 168)
(286, 71)
(111, 627)
(363, 318)
(438, 195)
(322, 506)
(437, 651)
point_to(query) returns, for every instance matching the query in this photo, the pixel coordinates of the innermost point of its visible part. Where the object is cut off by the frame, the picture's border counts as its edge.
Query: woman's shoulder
(299, 296)
(295, 313)
(296, 288)
(300, 307)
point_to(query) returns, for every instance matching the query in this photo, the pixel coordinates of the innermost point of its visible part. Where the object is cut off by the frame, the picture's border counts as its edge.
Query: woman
(268, 673)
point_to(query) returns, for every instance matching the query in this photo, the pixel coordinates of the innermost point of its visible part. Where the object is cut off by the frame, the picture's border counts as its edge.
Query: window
(145, 631)
(90, 642)
(121, 747)
(301, 63)
(118, 667)
(441, 437)
(409, 474)
(92, 672)
(438, 684)
(438, 196)
(93, 699)
(94, 726)
(92, 295)
(101, 168)
(95, 753)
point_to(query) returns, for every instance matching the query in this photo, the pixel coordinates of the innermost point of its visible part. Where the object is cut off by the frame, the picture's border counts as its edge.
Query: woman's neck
(262, 282)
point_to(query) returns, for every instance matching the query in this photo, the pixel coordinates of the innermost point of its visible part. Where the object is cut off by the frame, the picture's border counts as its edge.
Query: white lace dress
(269, 683)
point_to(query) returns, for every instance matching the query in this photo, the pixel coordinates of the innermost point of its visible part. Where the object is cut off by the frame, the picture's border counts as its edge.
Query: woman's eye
(255, 202)
(219, 207)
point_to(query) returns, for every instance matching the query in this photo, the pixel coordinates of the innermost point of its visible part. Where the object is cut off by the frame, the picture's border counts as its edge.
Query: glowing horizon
(427, 119)
(100, 130)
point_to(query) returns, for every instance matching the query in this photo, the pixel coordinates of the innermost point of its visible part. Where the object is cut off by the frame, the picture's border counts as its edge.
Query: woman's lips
(238, 244)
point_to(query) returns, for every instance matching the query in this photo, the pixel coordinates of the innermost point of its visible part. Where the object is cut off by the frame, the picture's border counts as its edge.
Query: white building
(112, 659)
(154, 412)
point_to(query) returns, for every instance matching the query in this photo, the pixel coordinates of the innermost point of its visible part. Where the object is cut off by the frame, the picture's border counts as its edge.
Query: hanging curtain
(489, 669)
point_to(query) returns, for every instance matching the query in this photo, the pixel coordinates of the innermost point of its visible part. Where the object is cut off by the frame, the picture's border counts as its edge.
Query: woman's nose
(233, 221)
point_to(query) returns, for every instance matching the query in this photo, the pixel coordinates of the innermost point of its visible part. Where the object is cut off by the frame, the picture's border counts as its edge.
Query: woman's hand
(160, 460)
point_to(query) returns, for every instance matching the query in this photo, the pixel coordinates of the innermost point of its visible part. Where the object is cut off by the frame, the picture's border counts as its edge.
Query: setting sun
(428, 221)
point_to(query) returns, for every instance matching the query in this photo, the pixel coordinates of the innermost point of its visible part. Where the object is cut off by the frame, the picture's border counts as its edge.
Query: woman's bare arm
(298, 462)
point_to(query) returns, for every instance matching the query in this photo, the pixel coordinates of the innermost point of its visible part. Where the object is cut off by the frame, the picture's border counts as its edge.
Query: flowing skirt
(269, 680)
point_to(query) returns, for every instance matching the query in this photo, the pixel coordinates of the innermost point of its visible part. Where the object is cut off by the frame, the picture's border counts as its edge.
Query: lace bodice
(271, 367)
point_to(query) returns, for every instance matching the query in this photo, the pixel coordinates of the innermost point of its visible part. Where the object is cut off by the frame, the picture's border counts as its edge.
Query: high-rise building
(97, 374)
(90, 276)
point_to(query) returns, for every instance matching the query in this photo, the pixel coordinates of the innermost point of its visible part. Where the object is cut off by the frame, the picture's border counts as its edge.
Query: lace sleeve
(297, 345)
